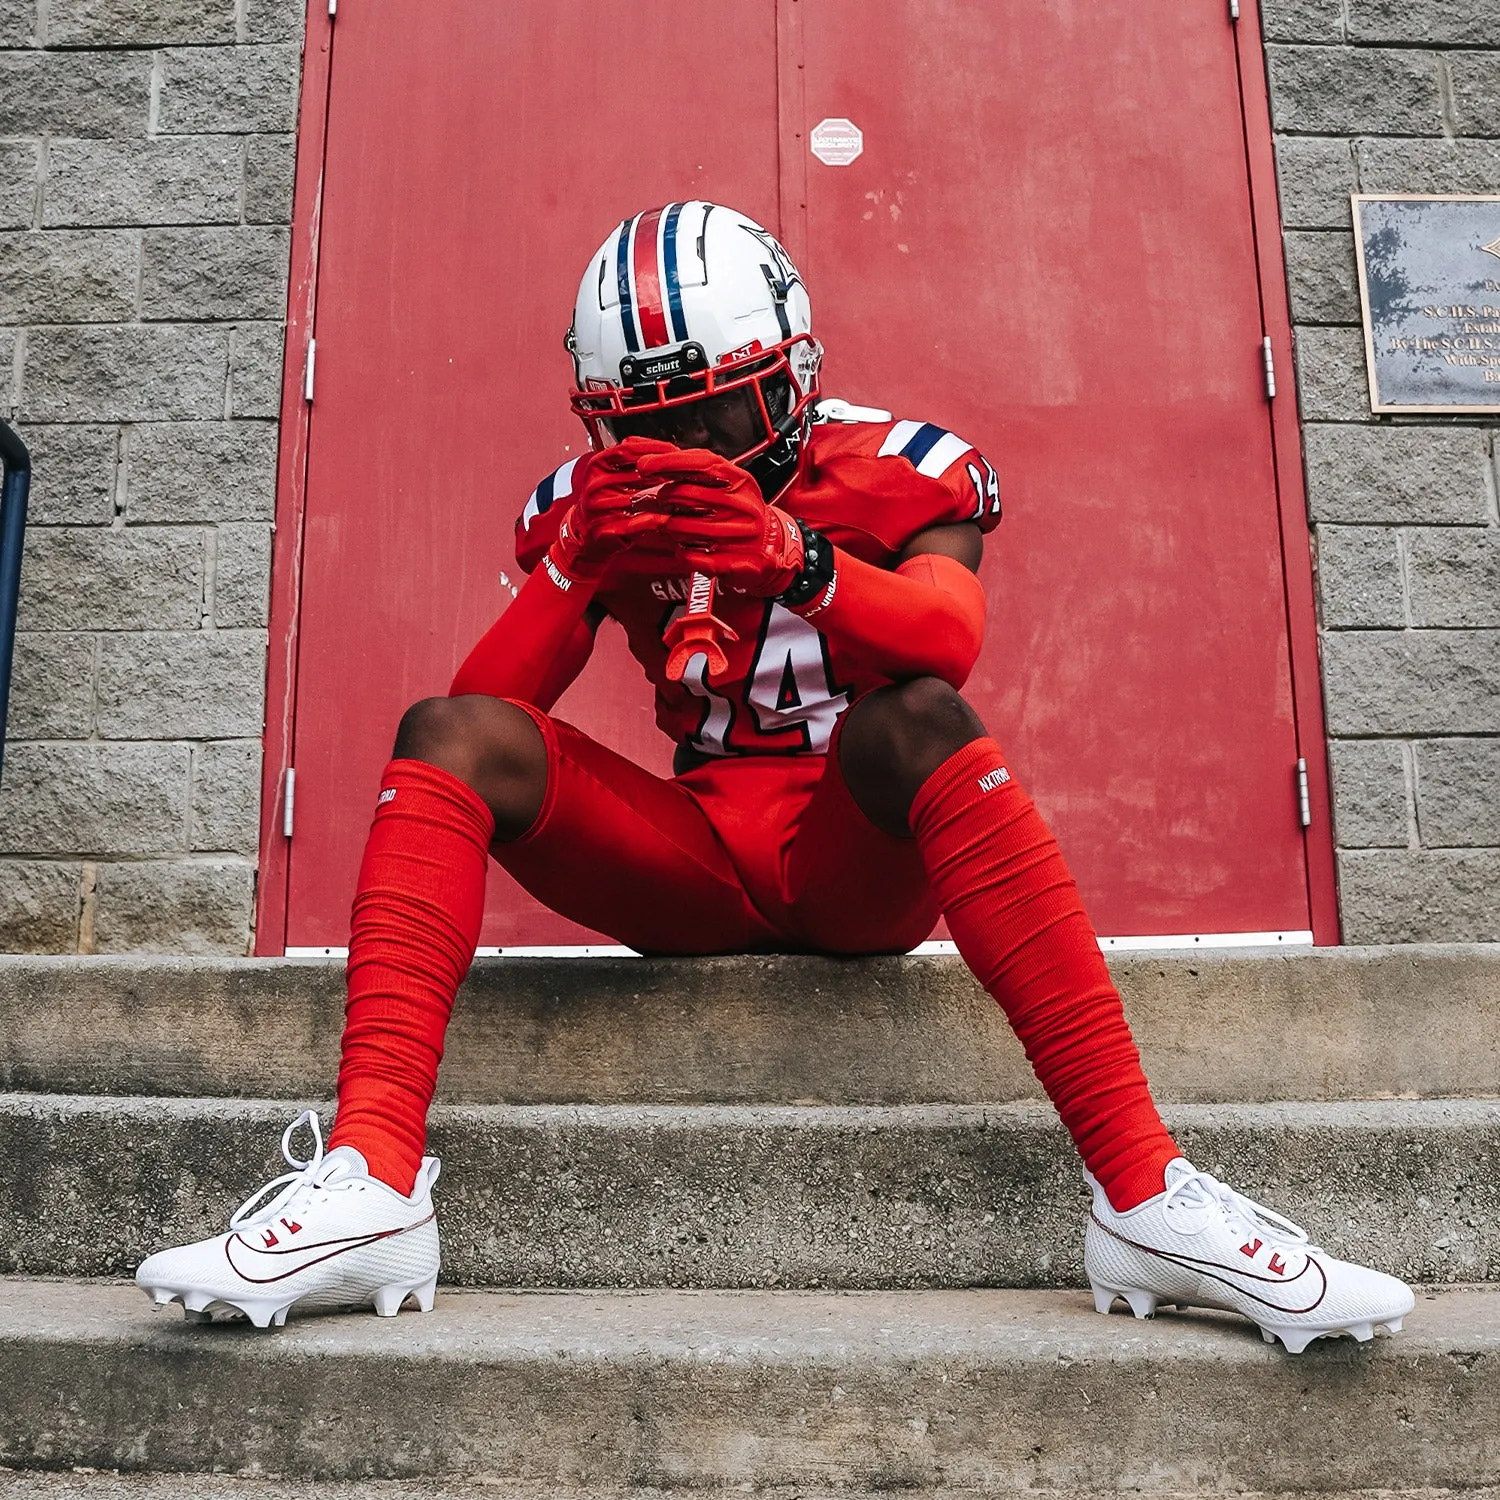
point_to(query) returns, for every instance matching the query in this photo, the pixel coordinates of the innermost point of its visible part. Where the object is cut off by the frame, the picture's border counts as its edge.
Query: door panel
(1045, 245)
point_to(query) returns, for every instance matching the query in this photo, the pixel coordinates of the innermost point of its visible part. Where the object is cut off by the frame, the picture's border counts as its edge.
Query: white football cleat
(1201, 1244)
(330, 1236)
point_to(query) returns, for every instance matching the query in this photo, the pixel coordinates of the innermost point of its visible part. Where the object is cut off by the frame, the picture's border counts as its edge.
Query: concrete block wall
(1398, 96)
(146, 158)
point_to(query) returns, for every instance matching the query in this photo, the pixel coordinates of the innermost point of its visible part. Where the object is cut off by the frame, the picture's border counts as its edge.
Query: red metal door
(1046, 244)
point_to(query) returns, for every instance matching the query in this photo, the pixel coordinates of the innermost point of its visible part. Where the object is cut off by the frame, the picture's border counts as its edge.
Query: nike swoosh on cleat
(303, 1257)
(1234, 1278)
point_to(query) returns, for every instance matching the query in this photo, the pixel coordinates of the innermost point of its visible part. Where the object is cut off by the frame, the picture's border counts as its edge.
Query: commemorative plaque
(1429, 285)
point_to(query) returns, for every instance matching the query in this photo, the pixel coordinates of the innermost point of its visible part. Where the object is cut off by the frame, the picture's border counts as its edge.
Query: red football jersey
(870, 487)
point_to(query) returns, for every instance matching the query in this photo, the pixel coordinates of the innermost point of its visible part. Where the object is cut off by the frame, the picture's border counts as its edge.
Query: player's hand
(603, 519)
(713, 512)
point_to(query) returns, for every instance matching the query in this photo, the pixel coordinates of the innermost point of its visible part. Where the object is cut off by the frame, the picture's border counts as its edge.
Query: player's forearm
(925, 619)
(537, 647)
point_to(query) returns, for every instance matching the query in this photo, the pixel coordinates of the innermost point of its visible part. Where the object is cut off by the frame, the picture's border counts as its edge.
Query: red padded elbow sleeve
(926, 619)
(533, 650)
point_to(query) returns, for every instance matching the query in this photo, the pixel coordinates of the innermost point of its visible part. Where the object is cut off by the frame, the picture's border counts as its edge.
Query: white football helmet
(693, 326)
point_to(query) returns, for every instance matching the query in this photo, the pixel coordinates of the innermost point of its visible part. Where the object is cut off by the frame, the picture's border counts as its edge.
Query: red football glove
(712, 510)
(604, 520)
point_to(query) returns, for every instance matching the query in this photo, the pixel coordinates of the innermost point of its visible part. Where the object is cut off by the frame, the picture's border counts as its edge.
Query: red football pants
(762, 854)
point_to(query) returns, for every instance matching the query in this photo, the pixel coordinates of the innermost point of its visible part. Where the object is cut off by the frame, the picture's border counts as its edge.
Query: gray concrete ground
(1002, 1391)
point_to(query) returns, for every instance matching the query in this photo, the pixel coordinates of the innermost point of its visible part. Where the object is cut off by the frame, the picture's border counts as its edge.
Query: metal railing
(16, 487)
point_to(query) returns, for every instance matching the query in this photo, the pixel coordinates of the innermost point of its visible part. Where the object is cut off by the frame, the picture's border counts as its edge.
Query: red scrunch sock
(1015, 915)
(415, 926)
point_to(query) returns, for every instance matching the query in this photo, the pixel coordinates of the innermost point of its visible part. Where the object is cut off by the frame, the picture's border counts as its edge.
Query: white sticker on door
(836, 142)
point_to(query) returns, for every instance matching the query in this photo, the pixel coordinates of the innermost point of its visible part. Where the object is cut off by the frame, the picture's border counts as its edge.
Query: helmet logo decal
(782, 276)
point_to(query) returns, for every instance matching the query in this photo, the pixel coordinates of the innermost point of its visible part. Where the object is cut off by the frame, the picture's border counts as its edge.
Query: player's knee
(927, 716)
(489, 744)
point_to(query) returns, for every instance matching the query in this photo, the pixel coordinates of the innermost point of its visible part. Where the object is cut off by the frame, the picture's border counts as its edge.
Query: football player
(797, 580)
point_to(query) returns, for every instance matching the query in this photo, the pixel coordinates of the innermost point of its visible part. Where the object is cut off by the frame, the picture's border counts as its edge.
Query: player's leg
(589, 833)
(917, 761)
(607, 843)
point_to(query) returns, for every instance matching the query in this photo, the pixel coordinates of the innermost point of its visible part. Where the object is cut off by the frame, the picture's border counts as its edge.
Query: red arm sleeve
(537, 647)
(926, 619)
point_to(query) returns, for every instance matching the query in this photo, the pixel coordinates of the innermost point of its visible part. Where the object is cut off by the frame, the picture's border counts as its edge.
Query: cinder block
(1359, 578)
(97, 578)
(201, 471)
(242, 575)
(1322, 277)
(194, 180)
(139, 23)
(72, 474)
(214, 273)
(270, 166)
(255, 357)
(97, 94)
(84, 799)
(1331, 380)
(1425, 23)
(274, 20)
(1302, 20)
(190, 685)
(19, 23)
(1315, 177)
(244, 90)
(1397, 475)
(130, 374)
(52, 687)
(39, 903)
(1420, 895)
(1369, 794)
(1428, 166)
(1414, 682)
(68, 276)
(1454, 578)
(174, 906)
(1476, 89)
(226, 796)
(1350, 91)
(1458, 793)
(19, 174)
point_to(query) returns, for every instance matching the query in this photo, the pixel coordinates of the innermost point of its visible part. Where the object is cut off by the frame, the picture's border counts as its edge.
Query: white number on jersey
(791, 683)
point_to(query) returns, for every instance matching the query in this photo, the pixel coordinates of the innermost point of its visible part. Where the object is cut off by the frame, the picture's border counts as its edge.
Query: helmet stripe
(622, 283)
(669, 265)
(648, 281)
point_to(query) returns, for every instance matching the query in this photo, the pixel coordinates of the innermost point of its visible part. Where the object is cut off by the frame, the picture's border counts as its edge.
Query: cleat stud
(388, 1301)
(1268, 1336)
(192, 1316)
(1362, 1332)
(161, 1296)
(1104, 1298)
(426, 1294)
(259, 1313)
(196, 1301)
(1391, 1325)
(279, 1316)
(1142, 1304)
(1297, 1339)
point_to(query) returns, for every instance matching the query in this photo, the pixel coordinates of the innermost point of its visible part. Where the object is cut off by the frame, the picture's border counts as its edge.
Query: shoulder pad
(928, 448)
(832, 409)
(558, 485)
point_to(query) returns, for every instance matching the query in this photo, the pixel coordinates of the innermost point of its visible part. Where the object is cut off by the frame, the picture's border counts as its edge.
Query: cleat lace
(1244, 1215)
(294, 1186)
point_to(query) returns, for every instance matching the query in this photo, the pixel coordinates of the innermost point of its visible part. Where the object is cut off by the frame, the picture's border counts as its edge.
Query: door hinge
(1304, 802)
(288, 802)
(1267, 358)
(308, 368)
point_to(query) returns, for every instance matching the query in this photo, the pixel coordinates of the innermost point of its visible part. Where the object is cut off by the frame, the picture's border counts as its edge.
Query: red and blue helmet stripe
(646, 279)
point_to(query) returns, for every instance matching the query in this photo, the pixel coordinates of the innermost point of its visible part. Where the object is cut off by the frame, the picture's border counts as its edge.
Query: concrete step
(740, 1195)
(97, 1484)
(991, 1391)
(1343, 1023)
